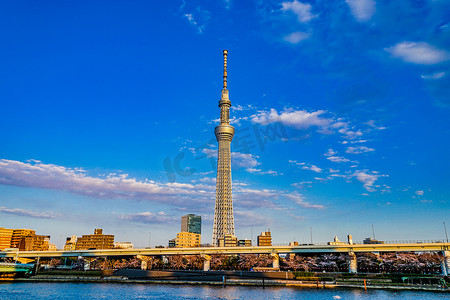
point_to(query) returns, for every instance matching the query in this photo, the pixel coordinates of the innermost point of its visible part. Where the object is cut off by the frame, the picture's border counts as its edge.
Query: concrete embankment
(227, 278)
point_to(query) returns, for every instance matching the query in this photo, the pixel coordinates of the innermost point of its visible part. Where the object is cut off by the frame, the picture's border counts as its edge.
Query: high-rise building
(5, 237)
(223, 212)
(191, 223)
(265, 239)
(98, 240)
(187, 240)
(23, 239)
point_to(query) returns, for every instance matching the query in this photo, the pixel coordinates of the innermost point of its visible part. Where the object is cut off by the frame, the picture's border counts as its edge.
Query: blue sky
(341, 112)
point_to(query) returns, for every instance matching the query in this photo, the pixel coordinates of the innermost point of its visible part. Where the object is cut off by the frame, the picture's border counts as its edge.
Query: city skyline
(340, 108)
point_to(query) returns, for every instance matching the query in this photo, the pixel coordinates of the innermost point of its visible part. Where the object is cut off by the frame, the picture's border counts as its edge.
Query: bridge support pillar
(206, 262)
(352, 263)
(445, 263)
(87, 264)
(144, 261)
(275, 260)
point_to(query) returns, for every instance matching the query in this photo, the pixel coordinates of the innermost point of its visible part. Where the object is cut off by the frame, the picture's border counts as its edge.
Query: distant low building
(123, 245)
(187, 240)
(293, 243)
(98, 240)
(244, 243)
(172, 243)
(228, 240)
(71, 243)
(336, 241)
(52, 247)
(372, 241)
(264, 239)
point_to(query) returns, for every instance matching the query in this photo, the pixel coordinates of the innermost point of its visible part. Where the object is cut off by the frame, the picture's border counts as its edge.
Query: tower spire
(223, 213)
(225, 75)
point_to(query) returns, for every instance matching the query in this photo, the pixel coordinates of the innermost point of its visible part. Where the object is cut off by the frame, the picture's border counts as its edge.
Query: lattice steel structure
(223, 213)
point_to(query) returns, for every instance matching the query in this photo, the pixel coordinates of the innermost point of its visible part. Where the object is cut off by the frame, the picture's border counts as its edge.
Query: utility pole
(310, 232)
(445, 229)
(373, 232)
(149, 239)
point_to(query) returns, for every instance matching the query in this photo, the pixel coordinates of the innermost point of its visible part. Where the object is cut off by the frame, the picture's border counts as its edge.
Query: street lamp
(310, 232)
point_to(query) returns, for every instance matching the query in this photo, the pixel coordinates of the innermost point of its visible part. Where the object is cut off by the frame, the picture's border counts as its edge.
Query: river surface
(52, 291)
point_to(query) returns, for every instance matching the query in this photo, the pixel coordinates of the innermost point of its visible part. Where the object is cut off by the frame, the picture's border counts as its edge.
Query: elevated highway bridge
(304, 249)
(274, 251)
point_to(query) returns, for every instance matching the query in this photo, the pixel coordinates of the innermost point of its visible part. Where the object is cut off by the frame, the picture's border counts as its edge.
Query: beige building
(336, 241)
(52, 247)
(264, 239)
(187, 240)
(123, 245)
(228, 240)
(71, 242)
(98, 240)
(244, 243)
(5, 237)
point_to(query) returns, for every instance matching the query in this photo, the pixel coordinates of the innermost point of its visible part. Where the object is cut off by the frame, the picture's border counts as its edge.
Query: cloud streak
(75, 180)
(418, 53)
(28, 213)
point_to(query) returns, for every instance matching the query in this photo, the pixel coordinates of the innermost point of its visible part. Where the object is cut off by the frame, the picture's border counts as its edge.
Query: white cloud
(296, 37)
(367, 179)
(337, 159)
(299, 119)
(437, 75)
(238, 160)
(306, 166)
(420, 193)
(362, 10)
(359, 150)
(300, 200)
(330, 152)
(302, 120)
(241, 108)
(312, 168)
(371, 123)
(28, 213)
(149, 217)
(302, 10)
(418, 53)
(191, 19)
(302, 184)
(75, 180)
(251, 219)
(261, 172)
(243, 160)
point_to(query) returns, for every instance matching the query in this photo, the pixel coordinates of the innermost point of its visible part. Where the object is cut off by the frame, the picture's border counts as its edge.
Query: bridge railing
(361, 243)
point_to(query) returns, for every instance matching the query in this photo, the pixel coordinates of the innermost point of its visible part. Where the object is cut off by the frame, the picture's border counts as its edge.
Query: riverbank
(232, 282)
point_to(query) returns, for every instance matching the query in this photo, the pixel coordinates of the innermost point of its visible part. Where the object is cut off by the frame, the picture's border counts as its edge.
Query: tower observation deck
(223, 212)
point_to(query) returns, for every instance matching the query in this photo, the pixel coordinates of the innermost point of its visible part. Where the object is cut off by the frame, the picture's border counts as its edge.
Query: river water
(30, 290)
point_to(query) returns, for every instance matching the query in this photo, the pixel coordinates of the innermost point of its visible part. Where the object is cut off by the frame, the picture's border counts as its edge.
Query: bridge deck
(236, 250)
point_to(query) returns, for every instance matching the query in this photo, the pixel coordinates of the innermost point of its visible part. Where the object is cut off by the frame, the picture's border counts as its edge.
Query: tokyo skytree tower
(223, 213)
